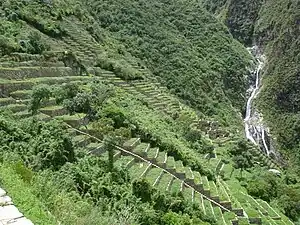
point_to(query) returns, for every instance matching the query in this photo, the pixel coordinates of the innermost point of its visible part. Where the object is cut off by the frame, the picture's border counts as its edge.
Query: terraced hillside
(162, 171)
(108, 119)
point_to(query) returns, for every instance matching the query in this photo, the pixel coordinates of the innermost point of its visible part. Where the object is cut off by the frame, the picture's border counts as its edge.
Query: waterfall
(254, 129)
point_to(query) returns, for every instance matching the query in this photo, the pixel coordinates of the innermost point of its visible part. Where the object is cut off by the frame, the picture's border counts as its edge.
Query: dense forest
(274, 27)
(130, 112)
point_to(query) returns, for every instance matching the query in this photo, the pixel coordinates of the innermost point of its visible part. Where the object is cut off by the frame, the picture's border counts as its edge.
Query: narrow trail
(9, 214)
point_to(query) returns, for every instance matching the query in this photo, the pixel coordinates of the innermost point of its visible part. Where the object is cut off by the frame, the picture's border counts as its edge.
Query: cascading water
(254, 90)
(254, 129)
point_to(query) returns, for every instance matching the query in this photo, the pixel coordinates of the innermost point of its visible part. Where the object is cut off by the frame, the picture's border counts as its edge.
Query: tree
(65, 91)
(109, 144)
(51, 148)
(241, 156)
(81, 103)
(39, 94)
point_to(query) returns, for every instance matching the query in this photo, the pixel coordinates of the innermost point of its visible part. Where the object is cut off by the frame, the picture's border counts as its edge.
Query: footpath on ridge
(9, 214)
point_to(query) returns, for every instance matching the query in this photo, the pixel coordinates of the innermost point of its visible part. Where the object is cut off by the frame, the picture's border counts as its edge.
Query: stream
(255, 131)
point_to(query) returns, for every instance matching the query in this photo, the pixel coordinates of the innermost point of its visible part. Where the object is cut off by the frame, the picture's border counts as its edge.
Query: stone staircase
(9, 214)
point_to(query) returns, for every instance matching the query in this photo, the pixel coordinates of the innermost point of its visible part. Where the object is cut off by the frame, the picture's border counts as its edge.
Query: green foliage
(81, 103)
(52, 148)
(25, 173)
(282, 191)
(240, 18)
(34, 44)
(23, 196)
(189, 50)
(241, 155)
(156, 128)
(120, 68)
(278, 33)
(264, 186)
(65, 91)
(42, 145)
(39, 94)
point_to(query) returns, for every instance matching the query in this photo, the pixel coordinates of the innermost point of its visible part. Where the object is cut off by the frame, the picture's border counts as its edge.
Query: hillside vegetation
(129, 112)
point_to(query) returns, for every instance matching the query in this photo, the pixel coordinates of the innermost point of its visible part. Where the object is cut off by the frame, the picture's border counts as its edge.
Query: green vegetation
(281, 80)
(14, 178)
(87, 186)
(239, 15)
(166, 81)
(187, 49)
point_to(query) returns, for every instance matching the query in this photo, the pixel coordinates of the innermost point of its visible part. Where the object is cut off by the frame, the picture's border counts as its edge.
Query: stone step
(7, 101)
(164, 182)
(132, 143)
(53, 111)
(14, 107)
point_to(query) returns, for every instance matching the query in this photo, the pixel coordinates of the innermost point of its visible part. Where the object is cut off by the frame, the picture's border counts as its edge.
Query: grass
(175, 186)
(266, 207)
(171, 162)
(15, 107)
(243, 221)
(23, 197)
(209, 208)
(141, 148)
(53, 107)
(205, 183)
(130, 142)
(222, 192)
(198, 199)
(152, 153)
(213, 189)
(197, 178)
(123, 160)
(228, 216)
(161, 157)
(188, 173)
(153, 174)
(187, 193)
(137, 169)
(219, 215)
(179, 167)
(164, 181)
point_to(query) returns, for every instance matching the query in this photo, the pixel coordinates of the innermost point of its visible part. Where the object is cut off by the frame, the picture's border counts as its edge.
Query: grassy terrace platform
(164, 182)
(152, 153)
(176, 186)
(209, 208)
(137, 169)
(153, 175)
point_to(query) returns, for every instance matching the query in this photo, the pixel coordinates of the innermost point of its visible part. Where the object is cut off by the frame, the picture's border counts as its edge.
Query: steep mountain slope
(239, 15)
(278, 32)
(274, 26)
(128, 112)
(182, 44)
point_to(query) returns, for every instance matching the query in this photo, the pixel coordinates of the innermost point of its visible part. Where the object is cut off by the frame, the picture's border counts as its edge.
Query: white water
(252, 129)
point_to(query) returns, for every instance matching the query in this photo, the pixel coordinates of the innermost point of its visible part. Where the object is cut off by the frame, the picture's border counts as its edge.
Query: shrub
(34, 44)
(39, 94)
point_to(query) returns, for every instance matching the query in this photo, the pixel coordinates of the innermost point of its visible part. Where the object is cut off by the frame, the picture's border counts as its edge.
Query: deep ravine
(255, 130)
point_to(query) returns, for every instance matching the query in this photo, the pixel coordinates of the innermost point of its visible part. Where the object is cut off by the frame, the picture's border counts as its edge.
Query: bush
(120, 68)
(65, 91)
(81, 103)
(39, 94)
(51, 148)
(34, 44)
